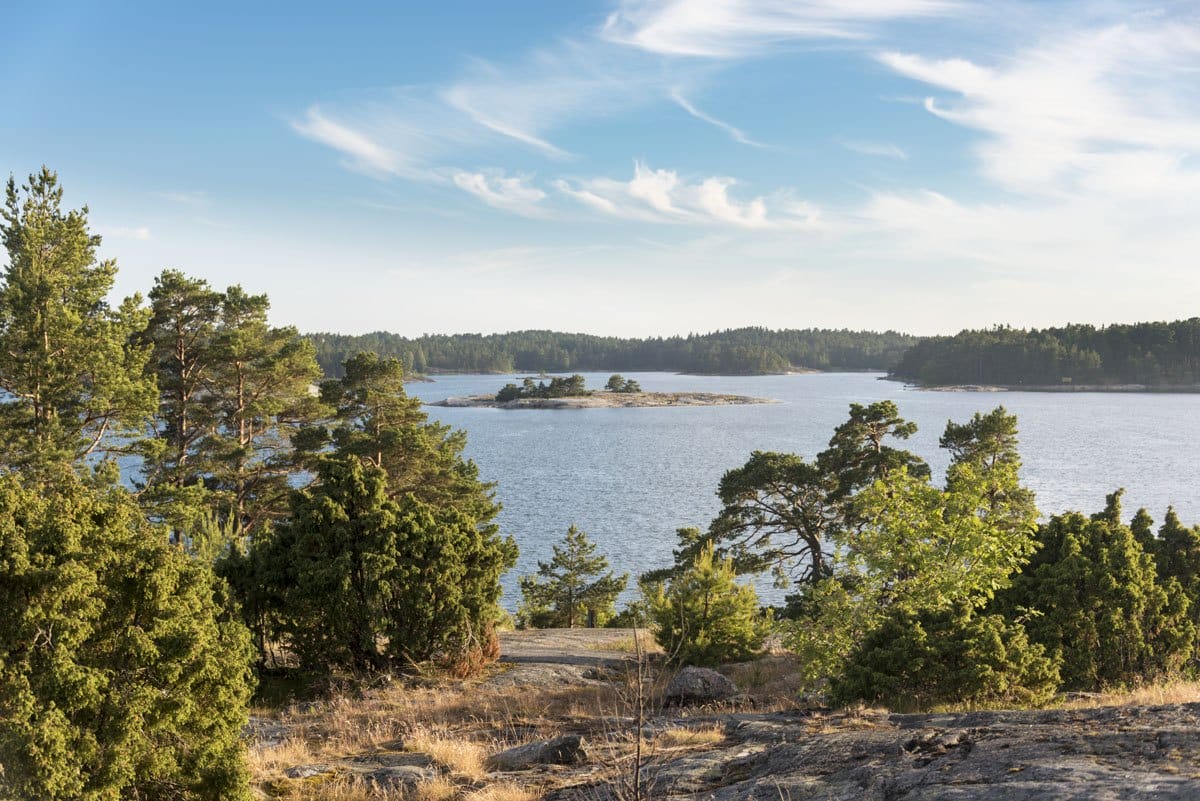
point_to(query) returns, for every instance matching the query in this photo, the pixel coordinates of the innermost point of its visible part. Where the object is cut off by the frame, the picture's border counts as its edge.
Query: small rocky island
(571, 393)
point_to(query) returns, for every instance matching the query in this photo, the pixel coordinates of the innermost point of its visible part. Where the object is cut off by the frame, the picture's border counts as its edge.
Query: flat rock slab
(308, 771)
(542, 676)
(1113, 754)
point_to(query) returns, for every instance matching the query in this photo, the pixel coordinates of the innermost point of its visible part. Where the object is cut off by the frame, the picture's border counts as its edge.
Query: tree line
(1153, 354)
(744, 351)
(258, 517)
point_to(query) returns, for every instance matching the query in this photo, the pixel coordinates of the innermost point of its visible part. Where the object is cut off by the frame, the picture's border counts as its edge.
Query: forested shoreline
(742, 351)
(1130, 356)
(1158, 354)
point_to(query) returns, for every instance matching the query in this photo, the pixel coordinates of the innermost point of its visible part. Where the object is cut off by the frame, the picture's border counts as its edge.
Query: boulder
(696, 685)
(399, 778)
(566, 750)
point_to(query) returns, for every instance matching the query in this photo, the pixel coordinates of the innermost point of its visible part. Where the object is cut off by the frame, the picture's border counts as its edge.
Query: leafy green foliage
(947, 656)
(1093, 599)
(573, 586)
(121, 674)
(703, 617)
(75, 383)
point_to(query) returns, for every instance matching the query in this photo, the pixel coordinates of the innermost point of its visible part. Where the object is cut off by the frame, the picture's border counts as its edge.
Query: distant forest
(1154, 354)
(743, 351)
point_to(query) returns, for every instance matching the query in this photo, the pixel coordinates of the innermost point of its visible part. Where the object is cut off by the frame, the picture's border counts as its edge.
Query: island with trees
(572, 393)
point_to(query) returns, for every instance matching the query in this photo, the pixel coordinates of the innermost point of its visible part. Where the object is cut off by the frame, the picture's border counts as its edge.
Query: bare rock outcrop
(1108, 754)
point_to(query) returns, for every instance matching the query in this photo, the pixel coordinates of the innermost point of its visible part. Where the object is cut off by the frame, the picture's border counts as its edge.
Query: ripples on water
(630, 477)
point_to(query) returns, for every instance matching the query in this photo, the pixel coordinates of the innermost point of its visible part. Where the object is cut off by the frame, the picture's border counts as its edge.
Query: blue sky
(632, 166)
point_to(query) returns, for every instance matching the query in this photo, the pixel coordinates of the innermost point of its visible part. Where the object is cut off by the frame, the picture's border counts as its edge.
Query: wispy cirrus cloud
(736, 134)
(194, 198)
(885, 150)
(361, 152)
(1091, 109)
(739, 28)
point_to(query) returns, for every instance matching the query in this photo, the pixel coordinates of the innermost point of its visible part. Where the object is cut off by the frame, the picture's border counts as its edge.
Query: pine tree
(704, 617)
(574, 587)
(260, 389)
(76, 383)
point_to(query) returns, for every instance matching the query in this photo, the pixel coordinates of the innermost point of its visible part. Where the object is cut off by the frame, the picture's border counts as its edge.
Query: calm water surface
(630, 477)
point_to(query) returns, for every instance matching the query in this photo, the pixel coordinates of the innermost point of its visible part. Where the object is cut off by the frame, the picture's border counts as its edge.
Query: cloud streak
(885, 150)
(736, 134)
(361, 153)
(724, 29)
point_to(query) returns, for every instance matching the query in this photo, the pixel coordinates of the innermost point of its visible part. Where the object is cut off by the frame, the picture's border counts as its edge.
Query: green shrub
(1098, 603)
(948, 657)
(121, 676)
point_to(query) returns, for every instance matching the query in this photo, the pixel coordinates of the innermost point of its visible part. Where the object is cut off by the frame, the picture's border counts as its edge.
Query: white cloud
(885, 150)
(510, 193)
(736, 28)
(735, 133)
(363, 153)
(662, 196)
(1087, 110)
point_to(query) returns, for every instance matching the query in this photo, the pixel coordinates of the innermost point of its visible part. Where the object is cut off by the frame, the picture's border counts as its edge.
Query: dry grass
(628, 645)
(269, 763)
(690, 738)
(1168, 692)
(772, 682)
(439, 789)
(460, 756)
(502, 791)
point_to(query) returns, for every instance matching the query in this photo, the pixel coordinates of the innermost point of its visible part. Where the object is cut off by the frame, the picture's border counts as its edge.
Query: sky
(629, 167)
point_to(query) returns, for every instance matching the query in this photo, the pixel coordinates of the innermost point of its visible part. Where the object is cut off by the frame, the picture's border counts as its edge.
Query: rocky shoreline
(606, 400)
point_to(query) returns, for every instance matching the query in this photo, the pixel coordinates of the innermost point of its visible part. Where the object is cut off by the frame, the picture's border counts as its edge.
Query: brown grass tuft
(503, 791)
(690, 738)
(460, 756)
(439, 789)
